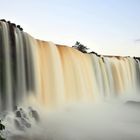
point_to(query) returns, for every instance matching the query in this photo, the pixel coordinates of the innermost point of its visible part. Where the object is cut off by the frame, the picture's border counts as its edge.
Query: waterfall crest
(17, 66)
(56, 74)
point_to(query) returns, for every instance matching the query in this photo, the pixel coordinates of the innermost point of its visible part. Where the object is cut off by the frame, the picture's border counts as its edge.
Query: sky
(109, 27)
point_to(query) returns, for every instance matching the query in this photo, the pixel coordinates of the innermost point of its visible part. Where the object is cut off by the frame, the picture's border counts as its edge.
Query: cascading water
(35, 72)
(66, 75)
(55, 74)
(17, 66)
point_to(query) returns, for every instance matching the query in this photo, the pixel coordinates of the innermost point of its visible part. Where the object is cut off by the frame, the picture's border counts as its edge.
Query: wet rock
(21, 29)
(137, 58)
(3, 20)
(18, 26)
(18, 125)
(93, 53)
(133, 103)
(34, 114)
(13, 24)
(25, 123)
(9, 22)
(18, 114)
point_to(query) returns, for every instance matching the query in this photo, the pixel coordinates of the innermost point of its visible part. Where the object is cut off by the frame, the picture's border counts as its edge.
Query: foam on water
(106, 120)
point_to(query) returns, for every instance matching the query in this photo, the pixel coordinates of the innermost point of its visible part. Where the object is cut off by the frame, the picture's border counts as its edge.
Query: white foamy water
(102, 121)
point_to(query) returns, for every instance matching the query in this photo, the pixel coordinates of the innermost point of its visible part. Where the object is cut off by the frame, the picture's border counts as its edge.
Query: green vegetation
(80, 47)
(2, 127)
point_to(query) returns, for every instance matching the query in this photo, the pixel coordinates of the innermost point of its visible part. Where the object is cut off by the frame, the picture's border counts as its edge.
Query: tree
(80, 47)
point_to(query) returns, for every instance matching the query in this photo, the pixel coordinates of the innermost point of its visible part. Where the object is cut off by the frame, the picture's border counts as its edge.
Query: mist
(108, 120)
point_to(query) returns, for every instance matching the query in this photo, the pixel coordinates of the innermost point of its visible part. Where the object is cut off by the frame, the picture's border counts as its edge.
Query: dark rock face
(94, 53)
(3, 20)
(18, 26)
(137, 59)
(23, 118)
(12, 24)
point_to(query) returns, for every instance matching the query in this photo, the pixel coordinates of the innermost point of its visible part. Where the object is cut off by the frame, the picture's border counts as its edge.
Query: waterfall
(17, 66)
(56, 74)
(67, 75)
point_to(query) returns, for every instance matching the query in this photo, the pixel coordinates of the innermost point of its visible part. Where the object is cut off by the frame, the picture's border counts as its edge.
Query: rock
(25, 123)
(18, 114)
(9, 22)
(34, 114)
(18, 26)
(2, 127)
(133, 103)
(18, 125)
(3, 20)
(21, 29)
(13, 24)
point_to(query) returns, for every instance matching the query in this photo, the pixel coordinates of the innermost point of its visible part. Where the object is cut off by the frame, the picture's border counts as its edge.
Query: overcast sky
(105, 26)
